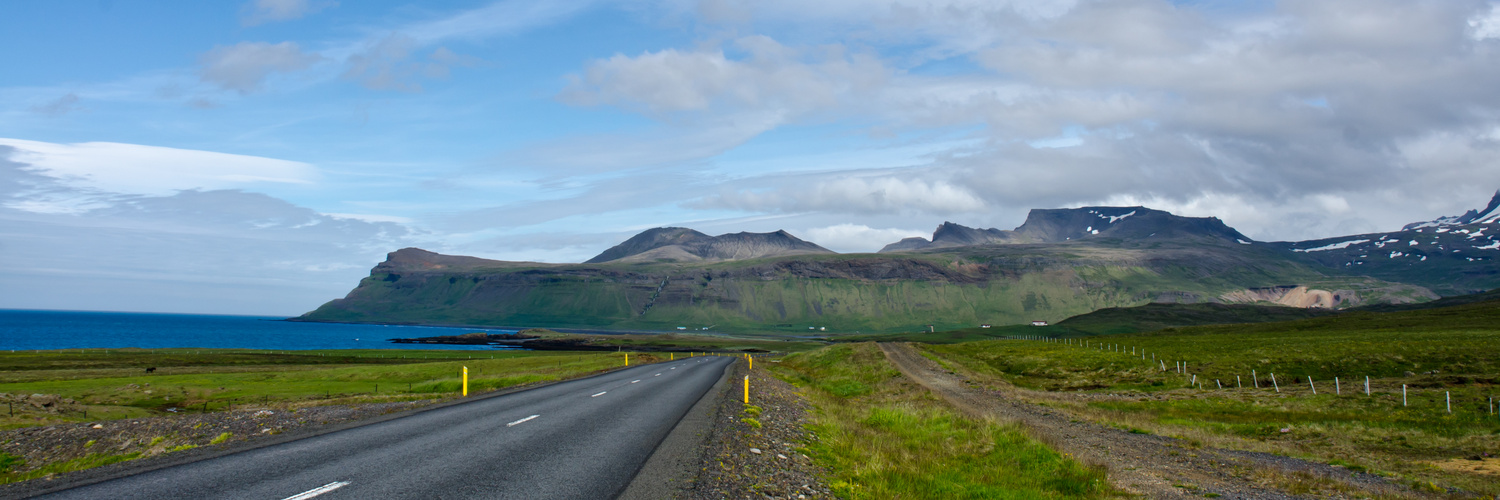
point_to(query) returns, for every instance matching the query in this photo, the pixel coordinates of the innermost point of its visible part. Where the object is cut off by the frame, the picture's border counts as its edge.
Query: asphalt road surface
(583, 438)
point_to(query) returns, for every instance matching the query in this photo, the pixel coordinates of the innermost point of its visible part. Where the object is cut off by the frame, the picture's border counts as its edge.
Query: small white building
(681, 328)
(1038, 323)
(984, 326)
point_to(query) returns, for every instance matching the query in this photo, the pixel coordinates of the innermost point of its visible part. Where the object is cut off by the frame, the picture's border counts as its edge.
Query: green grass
(106, 385)
(1462, 344)
(882, 436)
(685, 341)
(86, 462)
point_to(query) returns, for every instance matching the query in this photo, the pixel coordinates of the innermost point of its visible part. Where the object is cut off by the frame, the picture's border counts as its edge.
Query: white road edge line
(599, 394)
(318, 491)
(521, 421)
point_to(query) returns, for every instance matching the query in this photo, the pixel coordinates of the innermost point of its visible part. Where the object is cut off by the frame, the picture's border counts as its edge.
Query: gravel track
(1149, 465)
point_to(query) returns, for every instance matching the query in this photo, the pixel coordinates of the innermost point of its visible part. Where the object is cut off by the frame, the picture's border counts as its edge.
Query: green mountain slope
(947, 288)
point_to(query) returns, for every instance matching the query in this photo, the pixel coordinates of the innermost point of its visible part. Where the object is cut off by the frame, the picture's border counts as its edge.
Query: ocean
(28, 330)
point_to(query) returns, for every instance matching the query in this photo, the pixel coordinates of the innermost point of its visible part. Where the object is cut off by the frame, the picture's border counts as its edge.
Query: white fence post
(1274, 384)
(1314, 387)
(1336, 386)
(1403, 395)
(1367, 385)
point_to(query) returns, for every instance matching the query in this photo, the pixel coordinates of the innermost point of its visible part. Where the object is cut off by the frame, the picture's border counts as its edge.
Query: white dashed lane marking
(634, 381)
(319, 490)
(599, 394)
(522, 421)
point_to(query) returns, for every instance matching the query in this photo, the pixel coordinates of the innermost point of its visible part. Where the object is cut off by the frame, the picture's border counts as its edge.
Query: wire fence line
(1299, 384)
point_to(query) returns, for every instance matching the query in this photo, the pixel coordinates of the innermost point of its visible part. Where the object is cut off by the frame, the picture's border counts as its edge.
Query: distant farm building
(1038, 323)
(681, 328)
(984, 326)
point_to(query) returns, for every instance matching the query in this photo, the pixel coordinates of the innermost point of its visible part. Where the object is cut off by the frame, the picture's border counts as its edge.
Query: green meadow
(108, 384)
(1316, 408)
(882, 436)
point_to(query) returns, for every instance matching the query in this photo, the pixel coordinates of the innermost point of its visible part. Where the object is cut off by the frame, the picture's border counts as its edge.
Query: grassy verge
(1439, 355)
(684, 341)
(883, 436)
(99, 385)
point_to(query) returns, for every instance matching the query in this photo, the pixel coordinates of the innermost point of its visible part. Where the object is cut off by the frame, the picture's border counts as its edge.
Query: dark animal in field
(151, 370)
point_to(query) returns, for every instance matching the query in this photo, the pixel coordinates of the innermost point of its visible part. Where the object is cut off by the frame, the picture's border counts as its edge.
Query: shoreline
(517, 329)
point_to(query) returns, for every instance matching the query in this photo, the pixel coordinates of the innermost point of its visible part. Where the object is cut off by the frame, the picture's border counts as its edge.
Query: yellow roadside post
(671, 356)
(466, 381)
(751, 359)
(627, 359)
(747, 389)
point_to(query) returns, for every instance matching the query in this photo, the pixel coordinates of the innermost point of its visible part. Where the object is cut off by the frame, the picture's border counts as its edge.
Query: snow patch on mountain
(1332, 246)
(1491, 213)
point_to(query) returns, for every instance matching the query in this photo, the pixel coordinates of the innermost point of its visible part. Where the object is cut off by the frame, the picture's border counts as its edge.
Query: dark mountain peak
(648, 240)
(906, 245)
(1063, 224)
(950, 234)
(957, 235)
(1489, 214)
(416, 259)
(682, 244)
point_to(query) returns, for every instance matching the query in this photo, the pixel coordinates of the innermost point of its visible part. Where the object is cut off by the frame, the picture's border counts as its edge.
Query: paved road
(584, 438)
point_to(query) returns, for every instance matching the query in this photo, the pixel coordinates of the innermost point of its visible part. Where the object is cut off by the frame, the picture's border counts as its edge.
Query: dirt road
(1154, 466)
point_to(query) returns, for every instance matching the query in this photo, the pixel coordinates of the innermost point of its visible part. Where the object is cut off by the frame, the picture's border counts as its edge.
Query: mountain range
(1059, 263)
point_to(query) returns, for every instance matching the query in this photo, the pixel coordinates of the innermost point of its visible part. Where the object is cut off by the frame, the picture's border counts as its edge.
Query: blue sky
(261, 156)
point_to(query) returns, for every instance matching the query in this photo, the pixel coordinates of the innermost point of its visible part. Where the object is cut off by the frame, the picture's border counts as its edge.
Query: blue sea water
(27, 330)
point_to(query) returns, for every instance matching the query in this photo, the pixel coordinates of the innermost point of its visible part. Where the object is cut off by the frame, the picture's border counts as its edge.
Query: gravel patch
(743, 460)
(152, 436)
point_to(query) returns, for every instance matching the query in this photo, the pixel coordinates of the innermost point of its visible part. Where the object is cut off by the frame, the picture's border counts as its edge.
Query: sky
(259, 157)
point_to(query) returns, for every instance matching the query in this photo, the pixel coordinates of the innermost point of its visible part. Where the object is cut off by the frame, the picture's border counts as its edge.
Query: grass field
(97, 384)
(883, 436)
(747, 342)
(1437, 354)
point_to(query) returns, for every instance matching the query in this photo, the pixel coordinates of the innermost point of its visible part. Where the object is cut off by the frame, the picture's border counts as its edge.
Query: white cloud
(847, 238)
(266, 11)
(244, 67)
(212, 251)
(388, 64)
(1485, 25)
(151, 170)
(849, 194)
(771, 76)
(372, 218)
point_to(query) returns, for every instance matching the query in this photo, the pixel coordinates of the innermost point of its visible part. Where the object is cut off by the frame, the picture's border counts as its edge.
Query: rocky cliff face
(676, 244)
(1139, 223)
(1068, 224)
